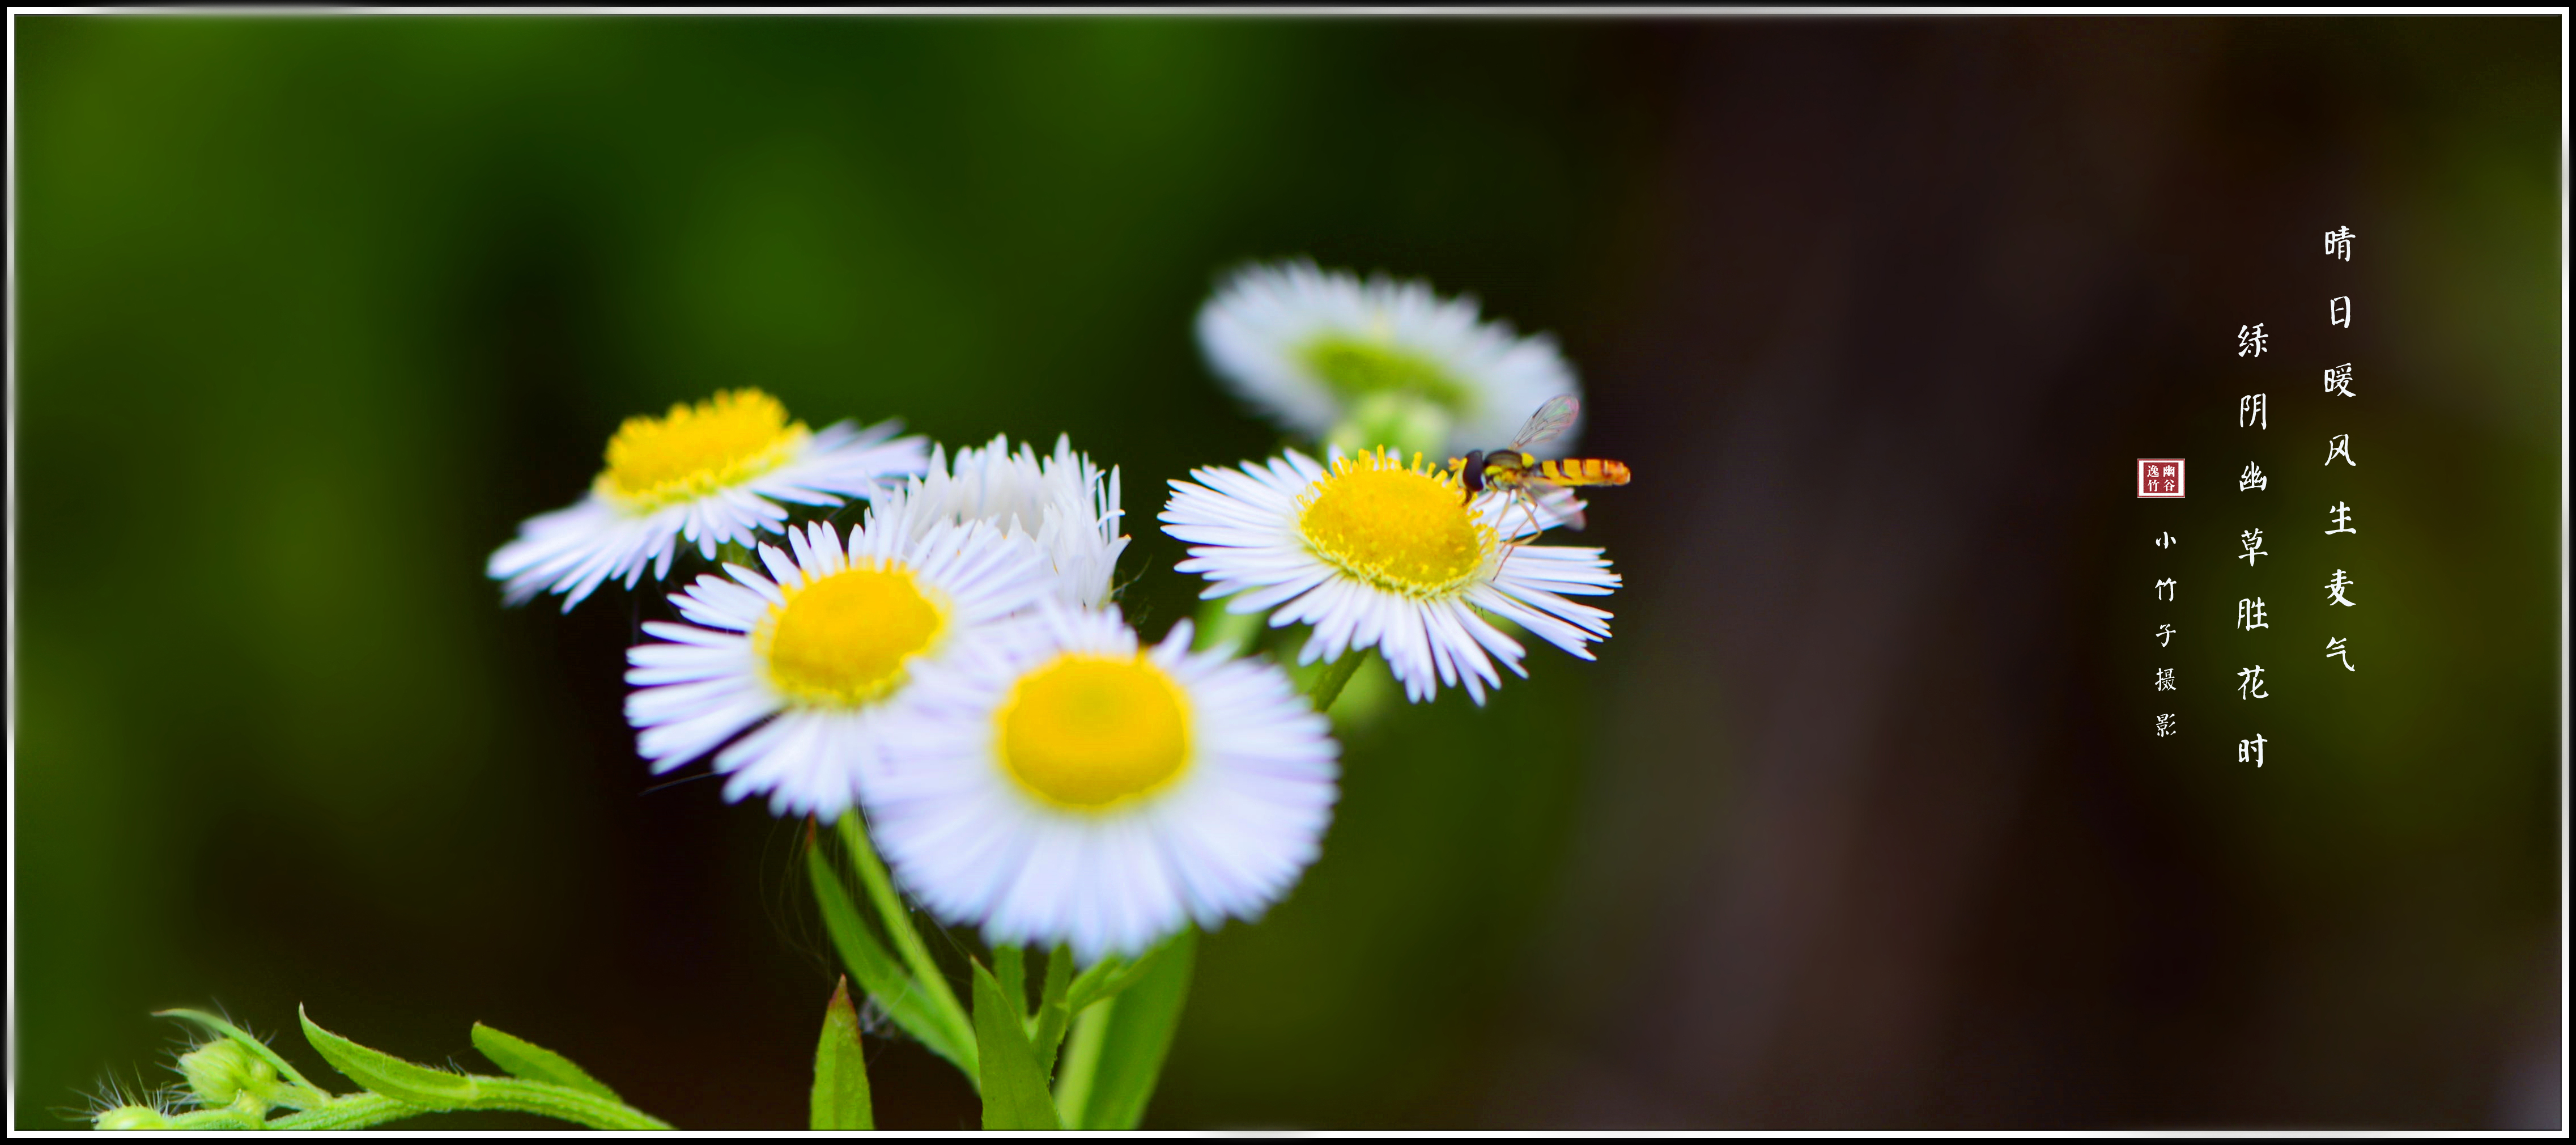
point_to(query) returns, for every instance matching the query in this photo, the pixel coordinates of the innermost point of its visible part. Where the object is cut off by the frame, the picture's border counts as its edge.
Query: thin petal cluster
(1063, 502)
(705, 682)
(1244, 527)
(605, 537)
(1226, 836)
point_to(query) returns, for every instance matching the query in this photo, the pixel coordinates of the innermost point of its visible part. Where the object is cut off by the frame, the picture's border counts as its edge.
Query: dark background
(1859, 821)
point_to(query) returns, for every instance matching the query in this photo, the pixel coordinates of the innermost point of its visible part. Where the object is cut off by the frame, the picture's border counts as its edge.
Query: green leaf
(520, 1057)
(1010, 968)
(1015, 1089)
(1090, 985)
(907, 941)
(222, 1028)
(383, 1073)
(1138, 1034)
(1111, 976)
(879, 974)
(841, 1068)
(1046, 1031)
(1081, 1064)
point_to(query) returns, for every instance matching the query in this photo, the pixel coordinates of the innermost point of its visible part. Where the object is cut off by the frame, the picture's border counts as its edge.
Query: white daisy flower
(825, 648)
(1063, 502)
(708, 473)
(1374, 553)
(1067, 785)
(1315, 350)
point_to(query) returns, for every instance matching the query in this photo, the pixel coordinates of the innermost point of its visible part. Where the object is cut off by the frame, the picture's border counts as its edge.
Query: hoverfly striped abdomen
(1584, 471)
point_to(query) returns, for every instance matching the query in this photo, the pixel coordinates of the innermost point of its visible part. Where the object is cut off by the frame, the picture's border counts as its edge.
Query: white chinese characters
(2249, 684)
(2249, 614)
(2250, 341)
(2339, 243)
(2338, 382)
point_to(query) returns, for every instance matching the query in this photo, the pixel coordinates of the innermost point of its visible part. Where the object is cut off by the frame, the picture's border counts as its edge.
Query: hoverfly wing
(1550, 420)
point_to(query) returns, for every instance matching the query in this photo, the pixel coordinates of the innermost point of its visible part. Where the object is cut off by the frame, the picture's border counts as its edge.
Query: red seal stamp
(2160, 477)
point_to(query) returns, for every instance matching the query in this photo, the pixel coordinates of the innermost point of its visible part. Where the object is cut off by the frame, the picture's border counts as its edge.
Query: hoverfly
(1526, 479)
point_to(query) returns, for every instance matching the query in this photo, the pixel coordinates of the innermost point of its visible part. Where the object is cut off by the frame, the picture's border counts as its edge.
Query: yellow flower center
(1395, 526)
(697, 449)
(1090, 732)
(846, 638)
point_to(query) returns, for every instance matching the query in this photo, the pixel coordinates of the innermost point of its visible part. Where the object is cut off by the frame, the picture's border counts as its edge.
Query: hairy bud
(220, 1072)
(131, 1117)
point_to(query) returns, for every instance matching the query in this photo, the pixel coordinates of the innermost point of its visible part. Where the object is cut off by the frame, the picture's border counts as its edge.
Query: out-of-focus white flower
(1320, 351)
(1373, 552)
(1062, 502)
(826, 649)
(709, 473)
(1067, 785)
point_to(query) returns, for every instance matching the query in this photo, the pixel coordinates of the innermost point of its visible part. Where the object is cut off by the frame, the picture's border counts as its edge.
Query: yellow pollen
(1090, 732)
(1395, 526)
(847, 638)
(697, 449)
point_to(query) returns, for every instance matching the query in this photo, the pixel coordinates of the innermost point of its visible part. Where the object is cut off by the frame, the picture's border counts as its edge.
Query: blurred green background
(312, 311)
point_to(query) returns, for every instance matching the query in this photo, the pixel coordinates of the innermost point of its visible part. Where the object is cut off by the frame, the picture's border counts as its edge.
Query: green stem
(898, 924)
(1081, 1064)
(356, 1111)
(220, 1117)
(1328, 686)
(360, 1110)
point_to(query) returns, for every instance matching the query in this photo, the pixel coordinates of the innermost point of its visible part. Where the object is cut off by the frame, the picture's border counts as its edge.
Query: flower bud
(131, 1117)
(219, 1072)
